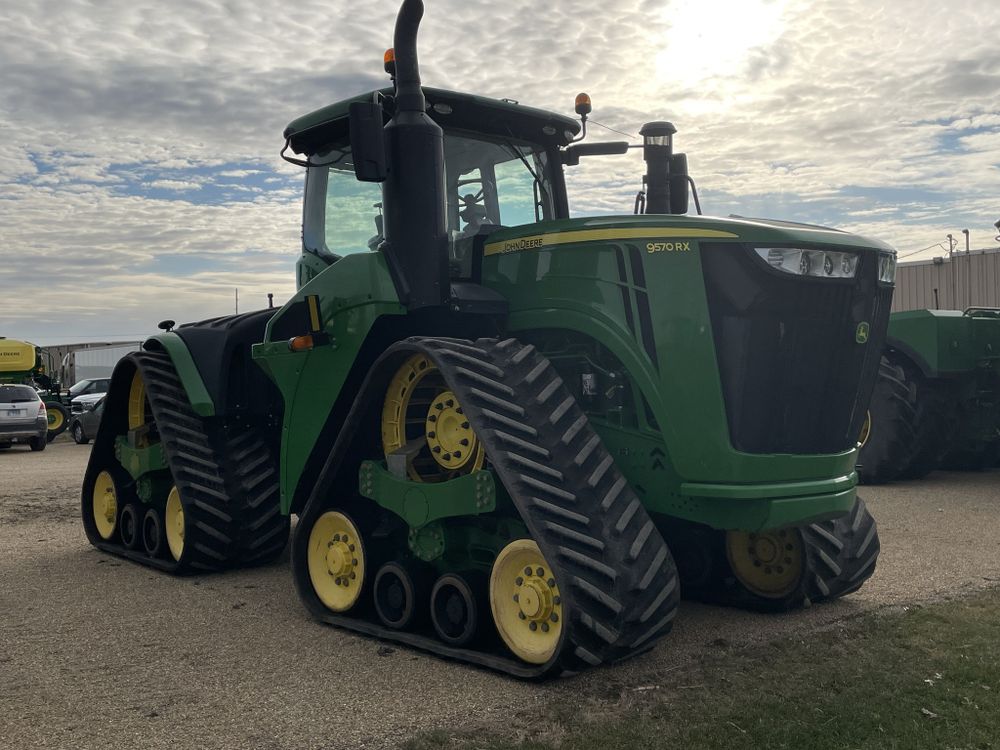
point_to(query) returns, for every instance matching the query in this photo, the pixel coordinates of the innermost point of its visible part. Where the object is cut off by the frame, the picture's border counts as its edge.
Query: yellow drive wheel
(336, 561)
(55, 419)
(866, 430)
(105, 504)
(420, 407)
(767, 563)
(139, 412)
(173, 516)
(525, 601)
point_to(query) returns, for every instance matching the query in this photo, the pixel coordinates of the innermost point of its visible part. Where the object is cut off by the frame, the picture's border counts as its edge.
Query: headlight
(887, 267)
(833, 264)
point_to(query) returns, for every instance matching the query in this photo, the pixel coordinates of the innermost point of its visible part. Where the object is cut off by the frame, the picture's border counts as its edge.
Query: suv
(23, 418)
(87, 418)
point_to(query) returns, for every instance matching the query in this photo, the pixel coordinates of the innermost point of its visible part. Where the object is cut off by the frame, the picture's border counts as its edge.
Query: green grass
(925, 678)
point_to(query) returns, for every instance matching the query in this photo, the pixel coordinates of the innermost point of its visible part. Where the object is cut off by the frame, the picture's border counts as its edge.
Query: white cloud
(876, 118)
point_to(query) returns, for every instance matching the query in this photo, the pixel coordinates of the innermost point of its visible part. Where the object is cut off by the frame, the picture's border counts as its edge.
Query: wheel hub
(109, 505)
(449, 434)
(340, 560)
(534, 599)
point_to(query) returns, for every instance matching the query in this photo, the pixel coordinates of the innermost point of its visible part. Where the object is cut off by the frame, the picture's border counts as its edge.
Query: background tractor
(937, 400)
(23, 362)
(511, 437)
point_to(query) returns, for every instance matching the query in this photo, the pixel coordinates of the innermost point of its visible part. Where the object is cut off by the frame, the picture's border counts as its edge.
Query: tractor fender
(194, 386)
(915, 358)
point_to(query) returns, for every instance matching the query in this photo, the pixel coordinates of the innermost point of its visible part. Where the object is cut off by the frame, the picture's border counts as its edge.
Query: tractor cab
(502, 168)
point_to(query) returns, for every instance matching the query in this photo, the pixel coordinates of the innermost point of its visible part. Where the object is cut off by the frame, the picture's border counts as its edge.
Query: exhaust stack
(415, 213)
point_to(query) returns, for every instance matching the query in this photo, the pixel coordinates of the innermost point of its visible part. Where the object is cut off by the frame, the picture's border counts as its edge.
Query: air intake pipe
(415, 211)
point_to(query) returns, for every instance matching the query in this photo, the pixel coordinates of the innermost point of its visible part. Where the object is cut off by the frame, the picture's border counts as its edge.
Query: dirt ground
(96, 652)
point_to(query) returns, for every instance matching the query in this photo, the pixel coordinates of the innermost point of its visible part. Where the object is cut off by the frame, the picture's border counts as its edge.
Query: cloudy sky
(139, 176)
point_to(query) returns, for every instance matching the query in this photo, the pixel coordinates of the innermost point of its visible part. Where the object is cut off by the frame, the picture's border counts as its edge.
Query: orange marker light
(583, 104)
(300, 343)
(389, 60)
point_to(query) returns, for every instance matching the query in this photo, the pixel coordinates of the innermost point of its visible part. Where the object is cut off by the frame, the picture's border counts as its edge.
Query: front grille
(794, 378)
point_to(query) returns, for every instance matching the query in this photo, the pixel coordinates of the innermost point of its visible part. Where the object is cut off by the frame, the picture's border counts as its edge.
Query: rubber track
(252, 477)
(617, 577)
(212, 518)
(842, 553)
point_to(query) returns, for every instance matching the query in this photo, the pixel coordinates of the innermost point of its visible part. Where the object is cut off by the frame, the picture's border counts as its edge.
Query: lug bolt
(350, 547)
(437, 448)
(557, 600)
(353, 576)
(432, 434)
(432, 418)
(336, 537)
(439, 407)
(354, 561)
(545, 627)
(464, 441)
(337, 580)
(551, 582)
(527, 571)
(516, 597)
(519, 581)
(465, 425)
(521, 616)
(449, 403)
(459, 410)
(554, 617)
(533, 625)
(458, 454)
(540, 572)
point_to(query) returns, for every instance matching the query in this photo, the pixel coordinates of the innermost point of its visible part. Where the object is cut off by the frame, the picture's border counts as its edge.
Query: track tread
(618, 582)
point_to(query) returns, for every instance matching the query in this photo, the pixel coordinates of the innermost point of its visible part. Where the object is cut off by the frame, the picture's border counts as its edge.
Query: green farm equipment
(511, 437)
(23, 362)
(936, 403)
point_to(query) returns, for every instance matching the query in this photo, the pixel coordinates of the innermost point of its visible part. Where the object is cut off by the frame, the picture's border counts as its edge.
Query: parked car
(83, 388)
(23, 418)
(87, 419)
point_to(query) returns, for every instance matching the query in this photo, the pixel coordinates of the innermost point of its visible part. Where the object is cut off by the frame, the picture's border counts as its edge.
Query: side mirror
(367, 141)
(678, 184)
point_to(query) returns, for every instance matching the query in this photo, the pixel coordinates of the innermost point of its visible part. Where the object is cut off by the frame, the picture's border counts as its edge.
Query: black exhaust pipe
(415, 211)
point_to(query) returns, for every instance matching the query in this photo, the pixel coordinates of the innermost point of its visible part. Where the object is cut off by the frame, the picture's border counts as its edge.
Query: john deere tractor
(23, 362)
(936, 403)
(511, 437)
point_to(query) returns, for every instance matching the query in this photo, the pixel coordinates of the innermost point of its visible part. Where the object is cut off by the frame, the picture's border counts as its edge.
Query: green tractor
(511, 437)
(23, 362)
(936, 403)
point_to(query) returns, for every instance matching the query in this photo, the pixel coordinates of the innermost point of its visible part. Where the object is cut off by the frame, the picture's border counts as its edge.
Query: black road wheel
(129, 527)
(79, 436)
(400, 595)
(38, 443)
(891, 439)
(456, 609)
(152, 532)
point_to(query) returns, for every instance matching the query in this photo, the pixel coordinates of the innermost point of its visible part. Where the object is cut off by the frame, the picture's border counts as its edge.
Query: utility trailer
(511, 437)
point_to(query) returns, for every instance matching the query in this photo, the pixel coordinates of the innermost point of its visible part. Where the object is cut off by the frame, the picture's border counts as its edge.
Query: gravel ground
(99, 653)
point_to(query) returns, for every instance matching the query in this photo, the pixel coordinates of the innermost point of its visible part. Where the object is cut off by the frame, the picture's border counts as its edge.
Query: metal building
(964, 280)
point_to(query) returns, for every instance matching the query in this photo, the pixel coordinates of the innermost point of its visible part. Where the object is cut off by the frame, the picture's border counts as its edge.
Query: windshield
(10, 394)
(487, 182)
(80, 387)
